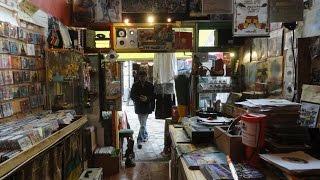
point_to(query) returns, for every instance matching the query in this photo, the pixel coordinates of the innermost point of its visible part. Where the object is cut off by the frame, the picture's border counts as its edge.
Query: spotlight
(169, 20)
(126, 20)
(232, 55)
(150, 19)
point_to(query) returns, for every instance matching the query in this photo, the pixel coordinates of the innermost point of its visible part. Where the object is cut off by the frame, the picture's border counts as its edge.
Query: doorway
(152, 149)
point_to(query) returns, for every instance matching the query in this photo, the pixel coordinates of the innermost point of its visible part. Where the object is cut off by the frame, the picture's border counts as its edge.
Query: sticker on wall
(251, 18)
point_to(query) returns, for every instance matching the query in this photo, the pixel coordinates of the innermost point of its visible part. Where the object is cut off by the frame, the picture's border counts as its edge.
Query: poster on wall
(275, 43)
(286, 10)
(154, 6)
(161, 38)
(251, 18)
(275, 75)
(217, 7)
(97, 11)
(311, 23)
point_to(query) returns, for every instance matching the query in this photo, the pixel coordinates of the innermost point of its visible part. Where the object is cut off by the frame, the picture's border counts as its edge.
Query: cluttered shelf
(14, 163)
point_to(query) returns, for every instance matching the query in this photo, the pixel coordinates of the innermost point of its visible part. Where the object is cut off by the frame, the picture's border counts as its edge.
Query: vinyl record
(121, 33)
(132, 32)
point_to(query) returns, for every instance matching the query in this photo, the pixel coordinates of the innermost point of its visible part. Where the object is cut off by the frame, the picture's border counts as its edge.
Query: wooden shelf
(11, 165)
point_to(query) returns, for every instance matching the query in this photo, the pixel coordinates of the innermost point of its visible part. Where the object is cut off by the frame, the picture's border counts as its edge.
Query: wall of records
(22, 68)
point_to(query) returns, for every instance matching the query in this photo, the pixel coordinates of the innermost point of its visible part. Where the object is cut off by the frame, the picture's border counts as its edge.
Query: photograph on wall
(311, 23)
(97, 11)
(275, 43)
(154, 6)
(286, 10)
(309, 114)
(217, 7)
(251, 18)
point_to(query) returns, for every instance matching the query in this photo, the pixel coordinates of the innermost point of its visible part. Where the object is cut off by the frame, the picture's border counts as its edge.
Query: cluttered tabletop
(237, 148)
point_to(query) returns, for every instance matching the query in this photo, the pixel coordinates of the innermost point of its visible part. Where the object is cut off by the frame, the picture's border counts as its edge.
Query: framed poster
(97, 11)
(154, 6)
(286, 10)
(217, 7)
(251, 18)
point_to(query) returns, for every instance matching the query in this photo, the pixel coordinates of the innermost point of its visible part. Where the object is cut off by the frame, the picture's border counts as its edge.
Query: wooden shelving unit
(11, 165)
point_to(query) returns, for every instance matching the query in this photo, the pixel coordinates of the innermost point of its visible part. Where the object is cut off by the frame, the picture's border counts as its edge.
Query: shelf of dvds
(10, 166)
(22, 68)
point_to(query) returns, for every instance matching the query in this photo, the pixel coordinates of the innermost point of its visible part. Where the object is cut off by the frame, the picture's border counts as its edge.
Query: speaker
(121, 43)
(121, 32)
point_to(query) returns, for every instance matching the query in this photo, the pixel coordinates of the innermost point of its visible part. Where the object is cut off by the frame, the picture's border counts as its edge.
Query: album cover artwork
(15, 91)
(309, 114)
(13, 31)
(31, 50)
(22, 34)
(17, 77)
(4, 46)
(22, 49)
(13, 47)
(6, 62)
(16, 62)
(26, 76)
(4, 29)
(25, 63)
(24, 91)
(8, 77)
(30, 38)
(2, 78)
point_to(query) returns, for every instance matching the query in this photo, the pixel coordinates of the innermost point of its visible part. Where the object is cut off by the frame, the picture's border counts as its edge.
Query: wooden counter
(11, 165)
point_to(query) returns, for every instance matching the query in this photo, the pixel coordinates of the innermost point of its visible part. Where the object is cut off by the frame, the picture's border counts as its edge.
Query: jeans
(143, 134)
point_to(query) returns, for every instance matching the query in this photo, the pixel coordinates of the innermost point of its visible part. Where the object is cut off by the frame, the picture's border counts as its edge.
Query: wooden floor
(144, 171)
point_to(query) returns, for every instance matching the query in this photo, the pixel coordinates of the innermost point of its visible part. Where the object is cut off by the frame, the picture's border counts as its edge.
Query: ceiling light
(150, 19)
(232, 55)
(126, 20)
(169, 20)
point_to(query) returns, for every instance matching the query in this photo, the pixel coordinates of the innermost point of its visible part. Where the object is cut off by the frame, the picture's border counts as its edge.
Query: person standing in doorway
(142, 94)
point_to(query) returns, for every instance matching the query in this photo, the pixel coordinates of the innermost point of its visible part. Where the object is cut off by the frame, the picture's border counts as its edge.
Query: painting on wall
(97, 11)
(251, 18)
(259, 49)
(275, 75)
(154, 6)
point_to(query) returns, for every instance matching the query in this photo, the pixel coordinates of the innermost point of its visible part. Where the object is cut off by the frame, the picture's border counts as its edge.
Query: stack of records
(222, 171)
(283, 134)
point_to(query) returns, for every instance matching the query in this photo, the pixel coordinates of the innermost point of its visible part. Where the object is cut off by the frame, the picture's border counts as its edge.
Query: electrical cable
(295, 68)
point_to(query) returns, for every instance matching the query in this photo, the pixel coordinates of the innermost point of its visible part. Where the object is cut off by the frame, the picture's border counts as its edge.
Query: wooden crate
(229, 144)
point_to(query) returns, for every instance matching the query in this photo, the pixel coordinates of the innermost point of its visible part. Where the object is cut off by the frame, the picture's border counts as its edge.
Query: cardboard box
(109, 164)
(229, 144)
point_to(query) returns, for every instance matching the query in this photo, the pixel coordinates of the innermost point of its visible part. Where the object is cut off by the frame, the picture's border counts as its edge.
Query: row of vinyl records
(10, 77)
(22, 134)
(20, 62)
(20, 33)
(21, 106)
(14, 92)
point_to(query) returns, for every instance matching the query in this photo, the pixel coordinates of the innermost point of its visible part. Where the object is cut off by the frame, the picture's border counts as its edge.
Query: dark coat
(147, 90)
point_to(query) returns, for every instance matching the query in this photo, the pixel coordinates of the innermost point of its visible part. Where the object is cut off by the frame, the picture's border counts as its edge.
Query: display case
(211, 89)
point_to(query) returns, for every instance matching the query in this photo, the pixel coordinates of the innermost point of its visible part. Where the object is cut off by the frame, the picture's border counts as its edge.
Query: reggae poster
(251, 18)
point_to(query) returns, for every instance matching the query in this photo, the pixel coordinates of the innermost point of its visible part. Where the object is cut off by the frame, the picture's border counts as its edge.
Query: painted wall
(57, 8)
